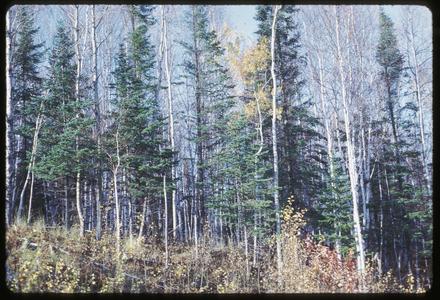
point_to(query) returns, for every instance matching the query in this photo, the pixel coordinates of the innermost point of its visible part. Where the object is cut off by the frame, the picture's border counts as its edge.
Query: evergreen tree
(237, 196)
(137, 116)
(389, 58)
(65, 119)
(335, 217)
(26, 90)
(298, 163)
(400, 194)
(212, 86)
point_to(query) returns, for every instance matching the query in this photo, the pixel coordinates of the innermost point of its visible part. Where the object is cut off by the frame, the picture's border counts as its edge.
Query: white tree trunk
(246, 251)
(38, 125)
(115, 181)
(9, 141)
(165, 219)
(98, 121)
(195, 236)
(352, 168)
(170, 117)
(141, 228)
(420, 110)
(30, 166)
(274, 147)
(78, 73)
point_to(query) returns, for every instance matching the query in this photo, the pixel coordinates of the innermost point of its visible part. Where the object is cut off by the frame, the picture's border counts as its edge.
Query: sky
(241, 18)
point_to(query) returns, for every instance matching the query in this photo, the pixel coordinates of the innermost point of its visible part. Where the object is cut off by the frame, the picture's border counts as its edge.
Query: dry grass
(53, 260)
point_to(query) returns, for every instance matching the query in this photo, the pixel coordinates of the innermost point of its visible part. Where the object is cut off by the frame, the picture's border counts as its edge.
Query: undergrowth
(43, 259)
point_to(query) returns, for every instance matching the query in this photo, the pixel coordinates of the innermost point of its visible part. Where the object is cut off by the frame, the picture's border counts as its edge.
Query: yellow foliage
(307, 266)
(254, 61)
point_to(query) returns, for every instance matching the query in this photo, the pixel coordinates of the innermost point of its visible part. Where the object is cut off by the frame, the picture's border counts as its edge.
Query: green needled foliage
(27, 88)
(335, 219)
(388, 55)
(136, 113)
(141, 149)
(64, 115)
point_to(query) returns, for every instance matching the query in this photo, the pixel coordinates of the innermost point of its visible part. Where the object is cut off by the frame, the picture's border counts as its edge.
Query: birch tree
(274, 147)
(351, 151)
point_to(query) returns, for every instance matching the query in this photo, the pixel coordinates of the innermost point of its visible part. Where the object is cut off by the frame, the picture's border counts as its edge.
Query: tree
(389, 58)
(9, 132)
(288, 66)
(274, 149)
(143, 155)
(64, 151)
(416, 63)
(360, 254)
(167, 55)
(335, 211)
(251, 67)
(211, 84)
(26, 91)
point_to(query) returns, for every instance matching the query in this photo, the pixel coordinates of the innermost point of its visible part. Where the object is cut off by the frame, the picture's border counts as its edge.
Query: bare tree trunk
(141, 228)
(257, 192)
(221, 229)
(165, 219)
(246, 251)
(78, 73)
(98, 122)
(130, 220)
(364, 178)
(353, 174)
(30, 197)
(195, 235)
(115, 182)
(274, 147)
(380, 222)
(420, 109)
(38, 124)
(396, 255)
(30, 166)
(368, 174)
(124, 202)
(170, 117)
(66, 204)
(10, 156)
(255, 241)
(186, 221)
(78, 203)
(199, 145)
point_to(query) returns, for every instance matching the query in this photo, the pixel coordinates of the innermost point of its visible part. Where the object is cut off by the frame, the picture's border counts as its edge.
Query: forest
(160, 149)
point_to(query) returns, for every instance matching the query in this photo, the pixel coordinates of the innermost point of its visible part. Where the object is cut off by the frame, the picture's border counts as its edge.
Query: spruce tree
(137, 116)
(334, 211)
(391, 61)
(65, 119)
(26, 91)
(389, 58)
(205, 65)
(298, 161)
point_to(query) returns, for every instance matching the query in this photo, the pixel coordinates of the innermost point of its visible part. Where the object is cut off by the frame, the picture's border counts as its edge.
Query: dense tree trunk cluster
(153, 122)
